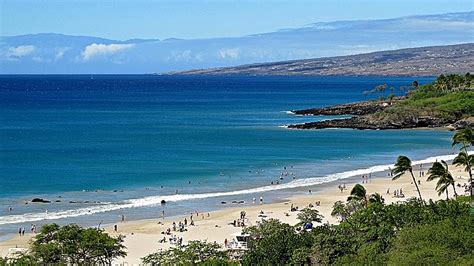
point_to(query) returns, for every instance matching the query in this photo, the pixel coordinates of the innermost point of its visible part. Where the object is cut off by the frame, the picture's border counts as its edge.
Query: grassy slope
(446, 105)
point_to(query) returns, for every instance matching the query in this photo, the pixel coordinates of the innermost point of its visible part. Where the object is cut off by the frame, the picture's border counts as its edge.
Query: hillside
(424, 61)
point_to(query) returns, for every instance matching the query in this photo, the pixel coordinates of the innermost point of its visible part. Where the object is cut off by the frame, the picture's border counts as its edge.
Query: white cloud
(185, 56)
(231, 53)
(103, 49)
(20, 51)
(60, 52)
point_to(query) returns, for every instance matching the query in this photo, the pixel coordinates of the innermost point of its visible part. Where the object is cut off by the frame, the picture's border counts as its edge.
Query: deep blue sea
(103, 146)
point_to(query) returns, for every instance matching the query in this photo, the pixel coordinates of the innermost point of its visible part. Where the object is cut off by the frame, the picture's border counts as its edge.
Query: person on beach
(23, 231)
(19, 231)
(123, 218)
(261, 199)
(163, 214)
(115, 228)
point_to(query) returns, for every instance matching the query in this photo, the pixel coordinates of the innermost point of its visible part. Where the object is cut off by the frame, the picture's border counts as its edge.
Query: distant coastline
(414, 62)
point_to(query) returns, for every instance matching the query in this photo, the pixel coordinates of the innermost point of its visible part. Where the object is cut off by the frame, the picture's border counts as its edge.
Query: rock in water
(40, 200)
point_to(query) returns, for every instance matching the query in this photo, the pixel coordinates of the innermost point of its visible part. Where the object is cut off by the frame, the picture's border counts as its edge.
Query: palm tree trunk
(416, 185)
(468, 165)
(454, 188)
(470, 181)
(447, 196)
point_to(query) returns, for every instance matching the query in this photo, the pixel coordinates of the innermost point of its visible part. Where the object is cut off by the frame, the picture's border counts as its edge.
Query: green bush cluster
(70, 244)
(449, 97)
(376, 234)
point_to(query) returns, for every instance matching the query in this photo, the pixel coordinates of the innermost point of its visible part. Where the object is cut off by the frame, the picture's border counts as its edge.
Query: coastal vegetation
(447, 101)
(195, 252)
(396, 234)
(70, 244)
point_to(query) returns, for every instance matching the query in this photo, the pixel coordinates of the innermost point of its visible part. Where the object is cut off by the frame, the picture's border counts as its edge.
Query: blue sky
(198, 19)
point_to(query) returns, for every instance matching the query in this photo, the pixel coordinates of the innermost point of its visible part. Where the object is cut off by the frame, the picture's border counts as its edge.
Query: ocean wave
(156, 200)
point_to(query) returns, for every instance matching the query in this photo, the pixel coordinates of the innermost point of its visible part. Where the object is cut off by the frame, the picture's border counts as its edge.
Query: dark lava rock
(163, 201)
(365, 122)
(40, 200)
(463, 123)
(359, 108)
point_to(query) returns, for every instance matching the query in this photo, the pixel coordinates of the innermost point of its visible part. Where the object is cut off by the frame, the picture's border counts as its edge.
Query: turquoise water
(112, 139)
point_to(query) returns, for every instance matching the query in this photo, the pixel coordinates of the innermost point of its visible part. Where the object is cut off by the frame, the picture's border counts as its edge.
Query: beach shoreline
(142, 236)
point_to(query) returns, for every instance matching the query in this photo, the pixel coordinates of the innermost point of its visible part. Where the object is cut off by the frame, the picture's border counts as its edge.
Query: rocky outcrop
(366, 122)
(40, 200)
(463, 123)
(359, 108)
(371, 115)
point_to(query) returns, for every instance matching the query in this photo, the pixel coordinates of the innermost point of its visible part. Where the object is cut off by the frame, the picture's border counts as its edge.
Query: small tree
(345, 210)
(381, 89)
(195, 252)
(72, 244)
(272, 243)
(308, 215)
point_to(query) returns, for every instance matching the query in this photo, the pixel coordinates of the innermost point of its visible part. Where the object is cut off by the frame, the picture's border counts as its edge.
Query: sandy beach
(142, 237)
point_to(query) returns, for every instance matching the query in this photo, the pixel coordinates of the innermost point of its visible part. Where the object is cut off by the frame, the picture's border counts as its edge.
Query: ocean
(103, 146)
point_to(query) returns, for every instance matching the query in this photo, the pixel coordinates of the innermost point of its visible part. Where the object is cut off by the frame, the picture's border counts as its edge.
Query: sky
(121, 20)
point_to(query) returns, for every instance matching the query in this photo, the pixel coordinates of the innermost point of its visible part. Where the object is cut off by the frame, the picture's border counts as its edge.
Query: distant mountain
(425, 61)
(57, 53)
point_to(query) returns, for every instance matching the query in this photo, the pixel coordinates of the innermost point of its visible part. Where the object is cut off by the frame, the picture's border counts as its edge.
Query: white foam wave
(156, 200)
(289, 112)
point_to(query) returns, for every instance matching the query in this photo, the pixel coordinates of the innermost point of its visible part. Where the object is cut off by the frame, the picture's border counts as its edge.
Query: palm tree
(465, 137)
(376, 198)
(402, 165)
(440, 171)
(466, 160)
(358, 193)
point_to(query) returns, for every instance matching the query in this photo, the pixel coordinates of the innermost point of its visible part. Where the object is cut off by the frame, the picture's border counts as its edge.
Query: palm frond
(464, 136)
(402, 165)
(463, 159)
